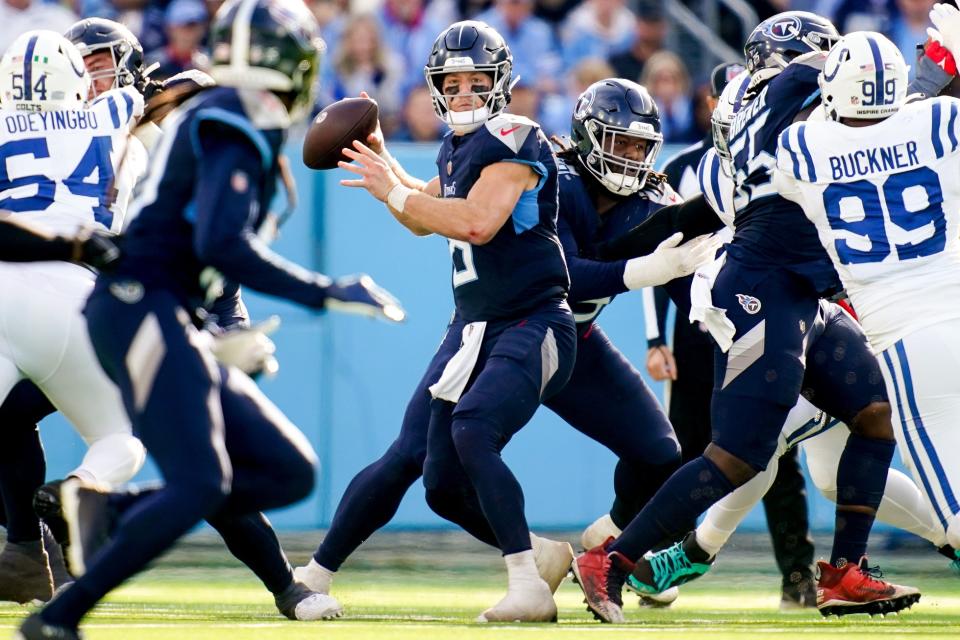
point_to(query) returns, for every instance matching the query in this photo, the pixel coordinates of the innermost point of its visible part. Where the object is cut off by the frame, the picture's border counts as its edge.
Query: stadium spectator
(186, 27)
(536, 58)
(860, 15)
(667, 80)
(420, 121)
(556, 110)
(18, 16)
(363, 62)
(331, 15)
(409, 30)
(554, 11)
(145, 18)
(599, 28)
(650, 32)
(909, 27)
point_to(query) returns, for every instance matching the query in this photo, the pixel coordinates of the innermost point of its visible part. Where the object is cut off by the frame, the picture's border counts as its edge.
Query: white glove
(670, 261)
(249, 350)
(946, 26)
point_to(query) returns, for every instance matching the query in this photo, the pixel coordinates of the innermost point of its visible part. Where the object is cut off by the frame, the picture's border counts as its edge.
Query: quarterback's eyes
(454, 89)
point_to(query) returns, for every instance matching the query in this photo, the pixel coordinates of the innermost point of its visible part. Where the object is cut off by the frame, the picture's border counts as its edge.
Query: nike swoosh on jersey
(506, 132)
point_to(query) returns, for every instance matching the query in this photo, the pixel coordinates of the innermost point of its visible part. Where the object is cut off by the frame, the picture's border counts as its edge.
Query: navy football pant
(225, 452)
(520, 363)
(22, 465)
(631, 423)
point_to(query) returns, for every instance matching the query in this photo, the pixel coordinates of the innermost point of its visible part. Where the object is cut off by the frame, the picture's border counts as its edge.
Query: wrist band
(397, 198)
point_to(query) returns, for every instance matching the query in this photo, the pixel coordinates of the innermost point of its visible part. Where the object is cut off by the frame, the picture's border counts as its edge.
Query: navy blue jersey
(594, 283)
(212, 178)
(771, 231)
(522, 266)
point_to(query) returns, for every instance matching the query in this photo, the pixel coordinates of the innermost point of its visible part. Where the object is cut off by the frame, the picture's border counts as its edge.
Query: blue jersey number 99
(913, 200)
(92, 177)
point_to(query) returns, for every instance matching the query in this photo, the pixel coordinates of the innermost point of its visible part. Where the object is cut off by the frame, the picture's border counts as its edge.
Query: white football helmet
(864, 77)
(43, 71)
(728, 105)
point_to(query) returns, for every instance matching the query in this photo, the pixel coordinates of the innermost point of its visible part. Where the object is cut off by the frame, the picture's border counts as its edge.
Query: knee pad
(112, 460)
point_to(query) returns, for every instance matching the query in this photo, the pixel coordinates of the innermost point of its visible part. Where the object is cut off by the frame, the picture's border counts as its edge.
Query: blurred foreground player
(224, 450)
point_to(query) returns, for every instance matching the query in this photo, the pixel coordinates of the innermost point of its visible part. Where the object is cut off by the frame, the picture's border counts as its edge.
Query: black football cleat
(34, 628)
(90, 521)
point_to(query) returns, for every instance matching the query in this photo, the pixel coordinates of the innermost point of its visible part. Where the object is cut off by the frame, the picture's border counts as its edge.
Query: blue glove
(359, 294)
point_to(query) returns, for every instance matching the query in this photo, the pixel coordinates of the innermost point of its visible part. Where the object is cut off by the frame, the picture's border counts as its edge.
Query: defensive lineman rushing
(766, 295)
(59, 157)
(224, 450)
(878, 179)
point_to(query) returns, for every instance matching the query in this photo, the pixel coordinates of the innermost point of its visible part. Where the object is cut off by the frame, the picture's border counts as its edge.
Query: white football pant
(43, 337)
(921, 375)
(903, 505)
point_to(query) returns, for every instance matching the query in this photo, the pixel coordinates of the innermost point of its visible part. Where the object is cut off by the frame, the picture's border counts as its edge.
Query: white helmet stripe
(240, 38)
(28, 69)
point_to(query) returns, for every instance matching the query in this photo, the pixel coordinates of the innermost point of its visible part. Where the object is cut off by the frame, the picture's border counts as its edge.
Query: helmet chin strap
(467, 121)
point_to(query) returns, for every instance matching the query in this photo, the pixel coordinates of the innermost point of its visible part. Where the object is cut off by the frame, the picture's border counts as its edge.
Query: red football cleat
(601, 575)
(856, 588)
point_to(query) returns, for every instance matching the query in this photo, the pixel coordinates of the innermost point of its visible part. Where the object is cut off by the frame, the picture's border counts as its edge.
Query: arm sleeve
(229, 309)
(589, 279)
(930, 79)
(226, 206)
(692, 217)
(20, 244)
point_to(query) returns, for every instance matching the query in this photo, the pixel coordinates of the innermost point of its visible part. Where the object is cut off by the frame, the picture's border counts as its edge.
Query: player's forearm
(454, 218)
(693, 217)
(20, 244)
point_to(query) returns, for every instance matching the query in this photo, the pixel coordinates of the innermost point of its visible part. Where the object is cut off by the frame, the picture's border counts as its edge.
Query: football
(337, 127)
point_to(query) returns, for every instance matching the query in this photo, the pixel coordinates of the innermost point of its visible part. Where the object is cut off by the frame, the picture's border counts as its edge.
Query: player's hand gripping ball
(337, 127)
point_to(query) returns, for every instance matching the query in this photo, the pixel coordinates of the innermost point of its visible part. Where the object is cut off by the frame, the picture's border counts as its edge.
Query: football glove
(945, 30)
(360, 295)
(97, 249)
(249, 349)
(670, 260)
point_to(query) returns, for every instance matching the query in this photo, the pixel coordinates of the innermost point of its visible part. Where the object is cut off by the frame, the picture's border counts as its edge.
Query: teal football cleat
(670, 567)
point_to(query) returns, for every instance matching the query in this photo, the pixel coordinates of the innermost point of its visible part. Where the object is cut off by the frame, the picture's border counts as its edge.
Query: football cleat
(598, 531)
(953, 555)
(533, 602)
(657, 572)
(601, 575)
(58, 564)
(46, 504)
(90, 520)
(34, 628)
(553, 559)
(659, 600)
(297, 602)
(857, 588)
(798, 592)
(25, 573)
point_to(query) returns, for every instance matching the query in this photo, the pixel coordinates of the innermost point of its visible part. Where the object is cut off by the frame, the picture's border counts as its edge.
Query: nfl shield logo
(750, 304)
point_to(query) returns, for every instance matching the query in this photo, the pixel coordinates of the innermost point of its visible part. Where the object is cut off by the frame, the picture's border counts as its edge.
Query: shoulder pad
(813, 59)
(122, 106)
(663, 194)
(264, 109)
(511, 130)
(237, 122)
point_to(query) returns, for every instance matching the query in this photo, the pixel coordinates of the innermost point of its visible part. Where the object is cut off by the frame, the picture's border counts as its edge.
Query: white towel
(456, 374)
(701, 304)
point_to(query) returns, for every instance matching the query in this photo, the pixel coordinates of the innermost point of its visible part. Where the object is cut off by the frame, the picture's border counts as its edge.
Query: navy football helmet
(470, 45)
(92, 35)
(609, 117)
(778, 40)
(273, 45)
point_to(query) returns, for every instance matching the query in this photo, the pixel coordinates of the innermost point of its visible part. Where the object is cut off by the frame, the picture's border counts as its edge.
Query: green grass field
(425, 586)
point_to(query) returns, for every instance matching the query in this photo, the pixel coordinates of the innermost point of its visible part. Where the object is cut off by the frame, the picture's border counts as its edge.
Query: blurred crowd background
(559, 46)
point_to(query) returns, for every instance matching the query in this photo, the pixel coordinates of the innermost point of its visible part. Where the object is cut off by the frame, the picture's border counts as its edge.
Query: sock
(861, 478)
(521, 569)
(688, 493)
(22, 470)
(319, 578)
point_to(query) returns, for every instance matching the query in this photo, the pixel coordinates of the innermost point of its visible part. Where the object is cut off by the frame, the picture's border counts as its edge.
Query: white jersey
(886, 202)
(58, 167)
(717, 186)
